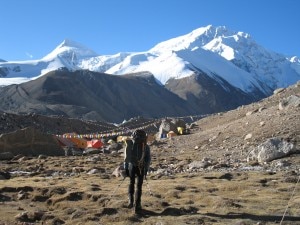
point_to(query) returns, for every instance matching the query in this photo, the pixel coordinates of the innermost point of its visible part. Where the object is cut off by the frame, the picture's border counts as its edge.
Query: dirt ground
(228, 190)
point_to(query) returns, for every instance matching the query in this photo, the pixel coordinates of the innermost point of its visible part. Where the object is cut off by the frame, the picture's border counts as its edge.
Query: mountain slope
(206, 95)
(233, 56)
(111, 98)
(96, 96)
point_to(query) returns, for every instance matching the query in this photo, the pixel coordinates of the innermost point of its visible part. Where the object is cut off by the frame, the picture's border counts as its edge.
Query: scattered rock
(93, 171)
(277, 91)
(248, 136)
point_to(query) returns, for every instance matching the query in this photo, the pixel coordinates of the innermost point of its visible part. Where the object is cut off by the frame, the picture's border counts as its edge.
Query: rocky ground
(210, 176)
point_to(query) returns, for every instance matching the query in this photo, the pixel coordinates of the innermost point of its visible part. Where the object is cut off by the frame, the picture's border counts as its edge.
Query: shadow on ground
(265, 218)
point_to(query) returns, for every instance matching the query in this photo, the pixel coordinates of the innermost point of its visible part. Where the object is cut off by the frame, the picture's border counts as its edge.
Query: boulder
(273, 148)
(30, 142)
(291, 101)
(168, 125)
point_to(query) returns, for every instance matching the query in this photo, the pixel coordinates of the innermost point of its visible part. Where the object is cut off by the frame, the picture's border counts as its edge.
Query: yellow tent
(180, 130)
(122, 138)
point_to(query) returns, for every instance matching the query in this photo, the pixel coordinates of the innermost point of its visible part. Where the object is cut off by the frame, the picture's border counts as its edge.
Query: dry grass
(199, 198)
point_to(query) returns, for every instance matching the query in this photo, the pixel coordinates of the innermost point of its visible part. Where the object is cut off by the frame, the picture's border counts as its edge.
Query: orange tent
(95, 143)
(79, 142)
(65, 142)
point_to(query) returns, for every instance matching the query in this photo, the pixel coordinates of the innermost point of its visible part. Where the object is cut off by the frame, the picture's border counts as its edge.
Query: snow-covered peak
(295, 59)
(72, 49)
(195, 39)
(245, 64)
(71, 44)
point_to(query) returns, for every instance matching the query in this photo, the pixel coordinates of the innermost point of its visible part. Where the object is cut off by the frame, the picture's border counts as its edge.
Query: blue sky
(30, 29)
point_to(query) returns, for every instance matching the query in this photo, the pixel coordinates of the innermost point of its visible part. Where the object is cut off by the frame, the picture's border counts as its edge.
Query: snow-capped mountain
(220, 53)
(206, 71)
(67, 55)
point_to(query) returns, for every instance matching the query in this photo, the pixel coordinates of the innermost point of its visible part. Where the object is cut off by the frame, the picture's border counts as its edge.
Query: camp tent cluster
(125, 131)
(81, 140)
(95, 140)
(78, 141)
